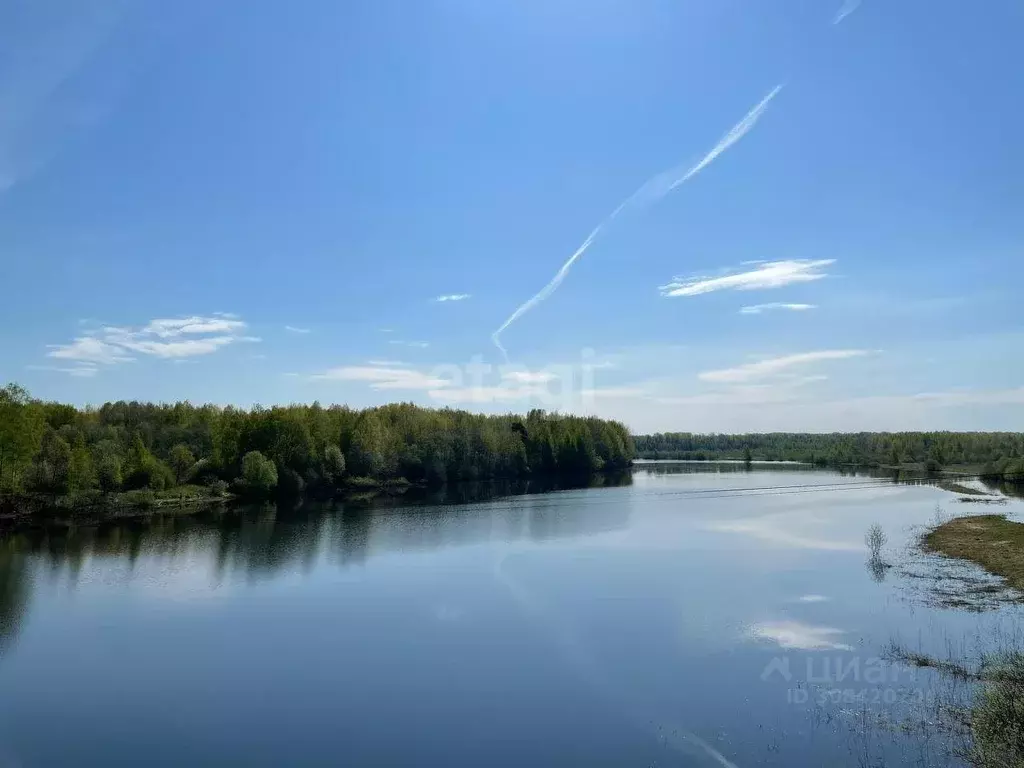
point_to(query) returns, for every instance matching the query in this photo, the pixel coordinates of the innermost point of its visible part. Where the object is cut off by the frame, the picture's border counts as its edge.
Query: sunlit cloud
(168, 338)
(777, 365)
(83, 371)
(529, 377)
(414, 344)
(383, 378)
(766, 275)
(453, 297)
(757, 309)
(295, 329)
(88, 349)
(486, 394)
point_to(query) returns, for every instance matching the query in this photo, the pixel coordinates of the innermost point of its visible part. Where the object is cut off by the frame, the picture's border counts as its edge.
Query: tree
(108, 473)
(332, 466)
(82, 475)
(366, 450)
(53, 464)
(259, 475)
(21, 432)
(181, 461)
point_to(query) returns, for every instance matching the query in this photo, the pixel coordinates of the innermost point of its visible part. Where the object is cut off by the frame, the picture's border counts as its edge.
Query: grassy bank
(991, 541)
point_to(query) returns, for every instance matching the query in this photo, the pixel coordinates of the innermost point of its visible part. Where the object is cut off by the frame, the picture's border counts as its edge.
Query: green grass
(991, 541)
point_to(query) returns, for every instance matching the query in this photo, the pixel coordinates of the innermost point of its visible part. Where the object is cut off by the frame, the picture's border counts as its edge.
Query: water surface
(697, 616)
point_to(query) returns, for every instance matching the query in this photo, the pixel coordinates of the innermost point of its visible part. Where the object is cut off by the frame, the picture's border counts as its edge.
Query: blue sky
(262, 202)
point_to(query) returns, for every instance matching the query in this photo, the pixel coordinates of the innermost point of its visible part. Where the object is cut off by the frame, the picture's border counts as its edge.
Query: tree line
(997, 454)
(54, 448)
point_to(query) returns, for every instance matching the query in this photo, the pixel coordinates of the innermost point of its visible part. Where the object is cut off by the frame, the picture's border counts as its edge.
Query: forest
(58, 449)
(995, 454)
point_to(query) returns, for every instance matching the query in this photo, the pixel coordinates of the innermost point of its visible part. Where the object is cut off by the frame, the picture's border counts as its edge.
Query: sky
(695, 215)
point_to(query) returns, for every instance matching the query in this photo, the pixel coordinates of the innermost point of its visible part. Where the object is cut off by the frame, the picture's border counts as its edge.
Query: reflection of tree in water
(261, 541)
(264, 541)
(15, 591)
(877, 568)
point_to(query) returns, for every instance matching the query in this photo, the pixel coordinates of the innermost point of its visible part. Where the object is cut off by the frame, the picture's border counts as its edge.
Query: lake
(694, 615)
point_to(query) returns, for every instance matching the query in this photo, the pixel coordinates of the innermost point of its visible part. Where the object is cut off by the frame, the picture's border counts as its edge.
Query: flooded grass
(991, 541)
(949, 485)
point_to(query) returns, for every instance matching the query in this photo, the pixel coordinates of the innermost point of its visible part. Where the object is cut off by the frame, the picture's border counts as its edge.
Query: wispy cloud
(414, 344)
(453, 297)
(776, 365)
(488, 394)
(295, 329)
(529, 377)
(769, 274)
(757, 309)
(386, 362)
(168, 338)
(849, 6)
(383, 378)
(650, 192)
(84, 370)
(88, 349)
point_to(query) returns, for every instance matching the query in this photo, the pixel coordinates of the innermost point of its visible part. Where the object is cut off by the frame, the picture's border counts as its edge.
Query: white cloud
(168, 338)
(958, 397)
(529, 377)
(757, 309)
(386, 362)
(812, 599)
(799, 636)
(615, 392)
(88, 349)
(484, 394)
(185, 348)
(383, 378)
(453, 297)
(415, 344)
(170, 328)
(770, 274)
(83, 371)
(776, 365)
(295, 329)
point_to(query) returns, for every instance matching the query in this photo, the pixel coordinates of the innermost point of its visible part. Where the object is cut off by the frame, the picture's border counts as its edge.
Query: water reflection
(14, 594)
(261, 541)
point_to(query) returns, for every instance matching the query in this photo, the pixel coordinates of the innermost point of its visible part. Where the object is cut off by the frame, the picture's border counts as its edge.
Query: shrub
(259, 475)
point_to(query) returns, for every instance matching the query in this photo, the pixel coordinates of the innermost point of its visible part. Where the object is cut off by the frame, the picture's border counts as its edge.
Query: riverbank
(991, 541)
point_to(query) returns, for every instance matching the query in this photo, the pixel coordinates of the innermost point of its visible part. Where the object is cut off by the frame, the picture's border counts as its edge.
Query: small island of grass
(991, 541)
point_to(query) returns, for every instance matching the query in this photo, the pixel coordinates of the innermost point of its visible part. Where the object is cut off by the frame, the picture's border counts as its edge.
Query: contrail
(652, 190)
(849, 6)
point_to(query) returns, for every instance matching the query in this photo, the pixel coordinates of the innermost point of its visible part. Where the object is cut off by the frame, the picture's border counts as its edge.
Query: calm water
(675, 621)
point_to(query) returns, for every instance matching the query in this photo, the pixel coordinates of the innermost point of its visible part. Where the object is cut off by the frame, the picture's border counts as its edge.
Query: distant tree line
(997, 454)
(53, 448)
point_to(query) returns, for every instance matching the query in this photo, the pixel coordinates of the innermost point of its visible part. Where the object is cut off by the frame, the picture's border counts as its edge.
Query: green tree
(181, 461)
(332, 465)
(21, 432)
(259, 475)
(366, 450)
(108, 473)
(83, 473)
